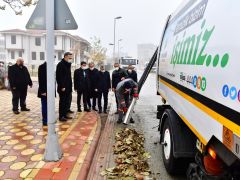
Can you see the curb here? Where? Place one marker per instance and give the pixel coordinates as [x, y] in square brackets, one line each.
[90, 154]
[101, 157]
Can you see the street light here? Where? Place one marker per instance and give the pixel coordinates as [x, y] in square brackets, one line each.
[119, 47]
[114, 38]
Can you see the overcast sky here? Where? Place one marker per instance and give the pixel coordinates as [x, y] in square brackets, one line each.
[142, 20]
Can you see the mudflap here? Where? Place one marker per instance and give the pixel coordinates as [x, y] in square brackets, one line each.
[196, 171]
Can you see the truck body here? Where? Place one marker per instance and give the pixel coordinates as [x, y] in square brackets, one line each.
[198, 78]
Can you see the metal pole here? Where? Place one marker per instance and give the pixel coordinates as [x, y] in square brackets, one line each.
[114, 39]
[53, 151]
[118, 49]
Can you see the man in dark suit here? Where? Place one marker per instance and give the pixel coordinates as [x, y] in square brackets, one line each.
[81, 85]
[64, 82]
[19, 79]
[104, 85]
[132, 73]
[93, 91]
[42, 90]
[118, 75]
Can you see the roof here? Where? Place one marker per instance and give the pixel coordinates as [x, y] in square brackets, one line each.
[43, 32]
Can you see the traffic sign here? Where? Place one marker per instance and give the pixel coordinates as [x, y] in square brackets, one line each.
[63, 20]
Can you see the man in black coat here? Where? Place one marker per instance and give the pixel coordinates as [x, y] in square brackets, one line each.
[81, 85]
[93, 91]
[118, 75]
[104, 85]
[42, 90]
[132, 73]
[19, 79]
[64, 82]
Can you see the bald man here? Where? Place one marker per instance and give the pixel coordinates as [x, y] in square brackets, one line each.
[19, 79]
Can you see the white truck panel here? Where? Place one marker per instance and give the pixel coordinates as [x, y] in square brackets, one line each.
[200, 58]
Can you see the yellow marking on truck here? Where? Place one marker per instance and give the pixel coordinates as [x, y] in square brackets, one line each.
[221, 119]
[204, 141]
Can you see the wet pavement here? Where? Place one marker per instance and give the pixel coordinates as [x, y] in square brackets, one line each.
[23, 138]
[146, 123]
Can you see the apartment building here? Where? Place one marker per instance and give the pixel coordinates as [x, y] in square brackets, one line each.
[31, 45]
[2, 49]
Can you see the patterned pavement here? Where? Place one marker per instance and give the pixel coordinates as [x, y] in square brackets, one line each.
[22, 143]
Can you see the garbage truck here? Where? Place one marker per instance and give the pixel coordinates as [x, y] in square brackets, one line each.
[198, 79]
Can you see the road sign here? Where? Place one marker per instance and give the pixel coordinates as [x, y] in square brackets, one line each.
[64, 19]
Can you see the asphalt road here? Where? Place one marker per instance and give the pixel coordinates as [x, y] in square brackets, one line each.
[146, 122]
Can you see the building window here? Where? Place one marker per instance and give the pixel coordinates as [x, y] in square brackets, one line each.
[20, 53]
[42, 56]
[12, 55]
[34, 56]
[59, 55]
[38, 41]
[13, 39]
[55, 40]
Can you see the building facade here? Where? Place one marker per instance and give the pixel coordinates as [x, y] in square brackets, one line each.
[2, 50]
[31, 46]
[145, 52]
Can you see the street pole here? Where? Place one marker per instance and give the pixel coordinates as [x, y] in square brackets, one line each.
[119, 47]
[114, 36]
[53, 151]
[114, 39]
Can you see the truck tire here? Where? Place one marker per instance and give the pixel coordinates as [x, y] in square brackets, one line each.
[169, 161]
[172, 164]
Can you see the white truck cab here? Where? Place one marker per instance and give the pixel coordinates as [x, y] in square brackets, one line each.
[126, 61]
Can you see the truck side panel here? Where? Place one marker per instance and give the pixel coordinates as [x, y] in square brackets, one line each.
[198, 71]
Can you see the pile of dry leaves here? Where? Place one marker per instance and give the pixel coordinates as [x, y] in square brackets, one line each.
[131, 159]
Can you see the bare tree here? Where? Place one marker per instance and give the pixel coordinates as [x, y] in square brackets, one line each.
[97, 53]
[16, 5]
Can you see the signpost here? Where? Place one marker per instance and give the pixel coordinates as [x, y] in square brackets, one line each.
[53, 15]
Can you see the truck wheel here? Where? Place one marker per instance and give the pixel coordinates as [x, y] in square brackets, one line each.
[169, 161]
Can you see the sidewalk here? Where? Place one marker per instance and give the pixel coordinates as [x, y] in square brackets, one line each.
[22, 143]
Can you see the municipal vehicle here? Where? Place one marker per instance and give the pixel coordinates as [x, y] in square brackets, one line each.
[198, 79]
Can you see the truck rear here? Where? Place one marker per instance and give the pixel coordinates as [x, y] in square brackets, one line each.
[198, 78]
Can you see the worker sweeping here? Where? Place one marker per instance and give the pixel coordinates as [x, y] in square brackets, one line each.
[126, 90]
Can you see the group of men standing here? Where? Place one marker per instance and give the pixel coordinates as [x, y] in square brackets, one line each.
[90, 83]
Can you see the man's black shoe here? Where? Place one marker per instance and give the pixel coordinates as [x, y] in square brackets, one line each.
[16, 112]
[70, 112]
[25, 109]
[68, 117]
[105, 111]
[63, 119]
[87, 110]
[100, 111]
[94, 109]
[132, 121]
[119, 121]
[44, 124]
[79, 110]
